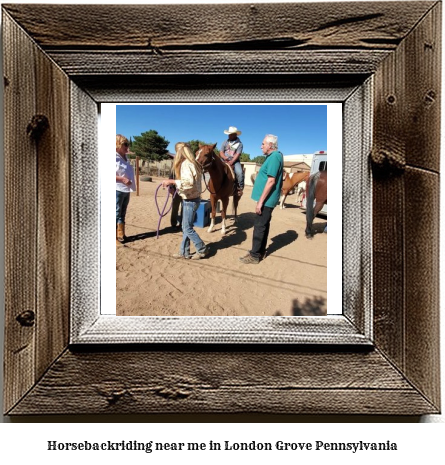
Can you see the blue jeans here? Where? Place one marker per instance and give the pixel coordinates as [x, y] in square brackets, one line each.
[189, 208]
[122, 199]
[238, 169]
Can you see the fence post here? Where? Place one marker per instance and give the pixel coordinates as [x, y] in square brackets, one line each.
[137, 176]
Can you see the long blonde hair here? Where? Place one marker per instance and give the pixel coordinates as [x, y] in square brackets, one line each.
[120, 141]
[184, 152]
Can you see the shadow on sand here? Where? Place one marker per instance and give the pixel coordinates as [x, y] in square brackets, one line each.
[282, 240]
[310, 307]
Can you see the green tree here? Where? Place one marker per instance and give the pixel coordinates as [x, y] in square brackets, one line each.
[244, 157]
[131, 155]
[194, 145]
[260, 159]
[150, 146]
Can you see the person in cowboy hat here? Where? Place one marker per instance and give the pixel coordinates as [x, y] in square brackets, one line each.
[230, 152]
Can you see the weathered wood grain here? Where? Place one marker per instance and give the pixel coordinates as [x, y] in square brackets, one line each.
[397, 42]
[372, 25]
[388, 268]
[37, 191]
[20, 214]
[423, 92]
[406, 235]
[221, 382]
[422, 324]
[243, 88]
[128, 62]
[357, 209]
[389, 141]
[85, 240]
[53, 220]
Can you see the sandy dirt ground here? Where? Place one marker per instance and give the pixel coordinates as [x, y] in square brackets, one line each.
[291, 280]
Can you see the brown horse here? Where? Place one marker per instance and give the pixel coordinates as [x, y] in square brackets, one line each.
[316, 192]
[290, 182]
[221, 185]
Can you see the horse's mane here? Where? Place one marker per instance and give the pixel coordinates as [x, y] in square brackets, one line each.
[225, 167]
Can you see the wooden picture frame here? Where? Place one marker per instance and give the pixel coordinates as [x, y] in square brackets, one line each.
[56, 72]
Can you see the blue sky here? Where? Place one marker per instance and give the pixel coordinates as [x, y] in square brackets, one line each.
[301, 129]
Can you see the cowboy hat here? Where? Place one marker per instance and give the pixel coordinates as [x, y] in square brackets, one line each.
[232, 130]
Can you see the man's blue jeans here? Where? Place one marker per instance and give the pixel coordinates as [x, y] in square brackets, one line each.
[238, 169]
[189, 208]
[122, 199]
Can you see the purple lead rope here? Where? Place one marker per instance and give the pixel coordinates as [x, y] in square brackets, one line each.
[161, 215]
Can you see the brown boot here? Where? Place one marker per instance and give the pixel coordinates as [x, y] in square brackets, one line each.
[117, 242]
[120, 232]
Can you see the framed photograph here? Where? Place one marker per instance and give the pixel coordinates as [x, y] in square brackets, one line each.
[376, 353]
[150, 282]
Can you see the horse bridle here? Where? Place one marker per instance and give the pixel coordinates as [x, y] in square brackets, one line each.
[205, 169]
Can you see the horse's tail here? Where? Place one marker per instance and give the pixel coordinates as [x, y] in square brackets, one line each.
[310, 197]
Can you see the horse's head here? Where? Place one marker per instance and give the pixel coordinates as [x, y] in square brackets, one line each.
[205, 155]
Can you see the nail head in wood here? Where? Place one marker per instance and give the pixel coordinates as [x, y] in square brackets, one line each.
[26, 318]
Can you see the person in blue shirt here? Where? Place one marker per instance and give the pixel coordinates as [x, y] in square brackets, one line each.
[266, 192]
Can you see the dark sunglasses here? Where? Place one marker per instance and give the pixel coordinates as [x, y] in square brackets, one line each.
[126, 144]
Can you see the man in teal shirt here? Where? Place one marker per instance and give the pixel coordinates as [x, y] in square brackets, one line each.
[266, 192]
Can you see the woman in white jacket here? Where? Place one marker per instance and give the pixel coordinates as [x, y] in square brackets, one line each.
[125, 183]
[188, 173]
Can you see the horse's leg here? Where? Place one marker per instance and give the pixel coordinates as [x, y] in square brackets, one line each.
[308, 230]
[235, 207]
[225, 203]
[213, 204]
[318, 206]
[283, 198]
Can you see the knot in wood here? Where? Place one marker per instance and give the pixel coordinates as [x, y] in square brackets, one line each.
[37, 126]
[115, 396]
[26, 318]
[173, 393]
[388, 162]
[430, 97]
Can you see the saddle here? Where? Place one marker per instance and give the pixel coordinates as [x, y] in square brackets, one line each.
[231, 175]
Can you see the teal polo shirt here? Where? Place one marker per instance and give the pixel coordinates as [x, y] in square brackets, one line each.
[272, 166]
